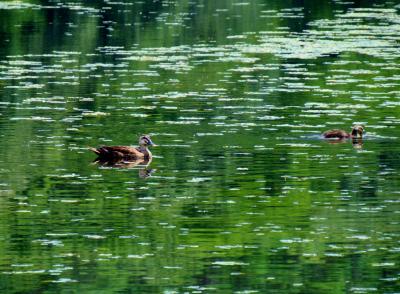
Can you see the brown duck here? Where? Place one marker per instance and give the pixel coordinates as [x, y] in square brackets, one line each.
[356, 133]
[126, 152]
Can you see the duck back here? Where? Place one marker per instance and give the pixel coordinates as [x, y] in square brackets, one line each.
[118, 152]
[336, 134]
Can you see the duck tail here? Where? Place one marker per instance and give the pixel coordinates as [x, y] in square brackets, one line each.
[95, 150]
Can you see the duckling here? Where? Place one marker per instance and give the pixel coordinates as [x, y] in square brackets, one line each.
[126, 152]
[356, 133]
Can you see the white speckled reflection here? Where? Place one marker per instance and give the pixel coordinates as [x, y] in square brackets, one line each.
[242, 195]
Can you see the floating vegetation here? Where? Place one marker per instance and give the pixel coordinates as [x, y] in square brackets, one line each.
[95, 113]
[17, 5]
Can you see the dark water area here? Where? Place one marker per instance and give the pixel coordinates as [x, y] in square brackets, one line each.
[242, 195]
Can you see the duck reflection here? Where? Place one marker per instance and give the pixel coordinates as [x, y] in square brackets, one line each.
[357, 143]
[143, 164]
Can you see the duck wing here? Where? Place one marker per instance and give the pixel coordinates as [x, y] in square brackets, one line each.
[117, 151]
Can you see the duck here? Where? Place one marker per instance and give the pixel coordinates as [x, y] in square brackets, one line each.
[117, 153]
[356, 133]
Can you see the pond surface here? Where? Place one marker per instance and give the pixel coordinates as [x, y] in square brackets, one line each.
[242, 195]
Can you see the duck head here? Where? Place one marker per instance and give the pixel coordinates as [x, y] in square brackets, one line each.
[145, 141]
[357, 131]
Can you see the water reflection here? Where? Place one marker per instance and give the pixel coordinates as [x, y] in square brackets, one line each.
[356, 142]
[247, 196]
[144, 170]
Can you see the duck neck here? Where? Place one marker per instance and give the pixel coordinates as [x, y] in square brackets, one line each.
[146, 152]
[356, 134]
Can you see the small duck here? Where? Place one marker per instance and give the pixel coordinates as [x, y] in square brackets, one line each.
[106, 153]
[356, 133]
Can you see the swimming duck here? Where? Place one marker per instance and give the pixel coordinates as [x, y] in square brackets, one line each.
[356, 133]
[126, 152]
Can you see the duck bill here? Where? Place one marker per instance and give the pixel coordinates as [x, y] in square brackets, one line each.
[151, 143]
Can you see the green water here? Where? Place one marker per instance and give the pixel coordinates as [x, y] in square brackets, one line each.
[242, 195]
